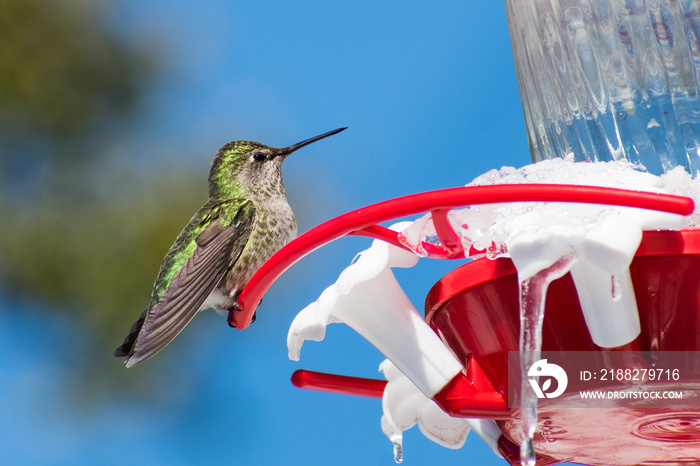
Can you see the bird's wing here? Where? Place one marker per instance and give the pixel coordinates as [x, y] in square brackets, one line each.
[217, 247]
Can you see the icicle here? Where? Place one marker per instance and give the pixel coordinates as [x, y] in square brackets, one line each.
[397, 441]
[533, 292]
[527, 453]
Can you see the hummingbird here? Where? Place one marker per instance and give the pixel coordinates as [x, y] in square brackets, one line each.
[243, 223]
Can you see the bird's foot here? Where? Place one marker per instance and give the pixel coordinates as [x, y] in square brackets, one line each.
[231, 314]
[255, 314]
[237, 308]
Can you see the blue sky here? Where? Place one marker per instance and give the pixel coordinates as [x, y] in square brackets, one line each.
[431, 101]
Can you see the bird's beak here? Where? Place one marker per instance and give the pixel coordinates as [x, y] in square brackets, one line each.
[285, 151]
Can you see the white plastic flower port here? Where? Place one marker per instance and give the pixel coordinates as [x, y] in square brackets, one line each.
[566, 267]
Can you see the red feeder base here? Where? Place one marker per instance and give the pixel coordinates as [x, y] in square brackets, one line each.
[476, 309]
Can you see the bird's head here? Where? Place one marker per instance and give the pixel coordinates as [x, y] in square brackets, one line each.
[251, 167]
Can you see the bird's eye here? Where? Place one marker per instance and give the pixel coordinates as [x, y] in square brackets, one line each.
[258, 157]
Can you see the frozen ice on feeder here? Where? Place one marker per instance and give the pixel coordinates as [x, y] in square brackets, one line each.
[677, 181]
[405, 406]
[486, 227]
[603, 239]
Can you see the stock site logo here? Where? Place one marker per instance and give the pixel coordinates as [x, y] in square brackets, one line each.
[546, 373]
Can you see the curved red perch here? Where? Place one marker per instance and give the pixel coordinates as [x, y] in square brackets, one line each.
[364, 222]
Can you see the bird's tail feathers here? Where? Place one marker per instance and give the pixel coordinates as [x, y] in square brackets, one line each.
[127, 348]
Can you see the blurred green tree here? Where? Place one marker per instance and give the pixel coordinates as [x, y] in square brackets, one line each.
[60, 67]
[64, 76]
[66, 82]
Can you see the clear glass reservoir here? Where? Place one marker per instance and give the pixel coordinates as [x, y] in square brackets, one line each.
[610, 79]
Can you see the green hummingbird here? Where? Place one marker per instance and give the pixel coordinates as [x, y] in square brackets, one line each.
[245, 221]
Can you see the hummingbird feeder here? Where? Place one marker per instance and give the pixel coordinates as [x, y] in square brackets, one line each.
[458, 354]
[577, 254]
